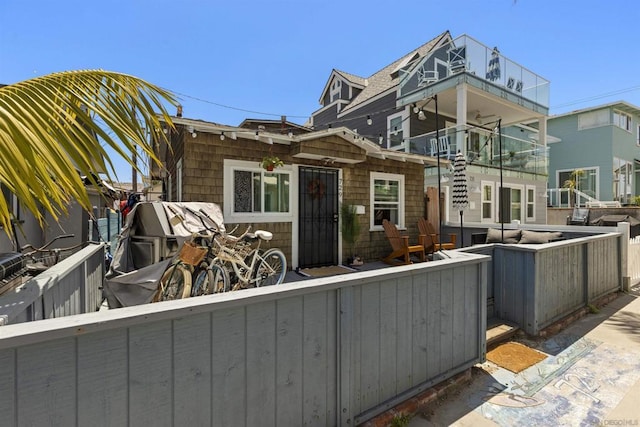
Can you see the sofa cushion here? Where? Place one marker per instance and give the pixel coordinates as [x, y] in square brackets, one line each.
[495, 236]
[539, 236]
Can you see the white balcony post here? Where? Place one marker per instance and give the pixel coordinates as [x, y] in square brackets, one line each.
[461, 117]
[542, 129]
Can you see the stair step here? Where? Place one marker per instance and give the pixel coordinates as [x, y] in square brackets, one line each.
[500, 332]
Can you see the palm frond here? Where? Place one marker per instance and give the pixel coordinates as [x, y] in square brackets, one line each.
[49, 135]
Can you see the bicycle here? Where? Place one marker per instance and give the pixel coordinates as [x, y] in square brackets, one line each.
[241, 258]
[191, 275]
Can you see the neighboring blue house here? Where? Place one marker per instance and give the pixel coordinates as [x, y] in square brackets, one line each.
[478, 94]
[604, 143]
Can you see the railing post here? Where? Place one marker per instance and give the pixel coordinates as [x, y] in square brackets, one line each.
[624, 228]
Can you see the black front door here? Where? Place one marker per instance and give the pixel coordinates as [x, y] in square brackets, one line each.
[318, 244]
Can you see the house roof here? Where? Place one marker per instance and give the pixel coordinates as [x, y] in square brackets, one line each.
[352, 78]
[620, 105]
[283, 125]
[371, 148]
[388, 77]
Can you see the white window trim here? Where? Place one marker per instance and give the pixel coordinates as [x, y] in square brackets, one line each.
[584, 168]
[179, 170]
[404, 115]
[336, 89]
[242, 218]
[527, 201]
[389, 177]
[617, 122]
[491, 184]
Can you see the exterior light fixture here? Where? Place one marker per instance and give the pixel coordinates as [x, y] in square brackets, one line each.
[257, 135]
[415, 108]
[421, 115]
[380, 139]
[369, 121]
[222, 136]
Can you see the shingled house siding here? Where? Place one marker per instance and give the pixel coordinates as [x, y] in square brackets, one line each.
[203, 173]
[373, 245]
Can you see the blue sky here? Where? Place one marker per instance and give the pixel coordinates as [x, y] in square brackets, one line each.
[274, 57]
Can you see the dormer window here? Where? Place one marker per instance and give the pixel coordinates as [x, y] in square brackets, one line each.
[336, 88]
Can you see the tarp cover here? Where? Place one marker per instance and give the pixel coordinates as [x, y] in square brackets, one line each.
[129, 283]
[613, 220]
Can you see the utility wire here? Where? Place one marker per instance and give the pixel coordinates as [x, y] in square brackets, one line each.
[237, 108]
[592, 98]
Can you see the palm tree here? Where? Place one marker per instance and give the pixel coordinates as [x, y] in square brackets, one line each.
[50, 136]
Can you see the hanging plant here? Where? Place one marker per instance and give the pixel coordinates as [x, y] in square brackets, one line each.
[270, 163]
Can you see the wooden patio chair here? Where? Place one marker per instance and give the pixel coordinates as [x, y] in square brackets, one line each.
[432, 239]
[400, 245]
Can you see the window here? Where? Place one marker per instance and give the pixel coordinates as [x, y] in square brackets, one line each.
[531, 203]
[511, 201]
[585, 182]
[253, 194]
[387, 199]
[487, 200]
[336, 87]
[622, 120]
[593, 119]
[397, 127]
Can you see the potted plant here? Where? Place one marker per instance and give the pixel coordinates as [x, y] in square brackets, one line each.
[350, 232]
[270, 162]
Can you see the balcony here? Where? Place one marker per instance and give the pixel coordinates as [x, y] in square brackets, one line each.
[483, 149]
[492, 79]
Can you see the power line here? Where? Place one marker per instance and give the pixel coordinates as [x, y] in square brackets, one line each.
[237, 108]
[592, 98]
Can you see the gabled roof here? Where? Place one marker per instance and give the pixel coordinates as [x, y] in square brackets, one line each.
[354, 80]
[388, 77]
[283, 126]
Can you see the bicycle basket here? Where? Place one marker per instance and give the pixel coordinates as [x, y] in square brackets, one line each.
[192, 254]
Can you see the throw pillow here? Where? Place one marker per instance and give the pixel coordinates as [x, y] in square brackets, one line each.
[495, 236]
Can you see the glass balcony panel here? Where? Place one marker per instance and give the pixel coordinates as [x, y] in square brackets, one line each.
[482, 148]
[479, 60]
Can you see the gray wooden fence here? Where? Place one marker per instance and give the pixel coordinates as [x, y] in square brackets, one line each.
[72, 286]
[536, 285]
[323, 352]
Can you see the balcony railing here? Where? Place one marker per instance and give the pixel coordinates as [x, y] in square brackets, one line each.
[464, 54]
[482, 148]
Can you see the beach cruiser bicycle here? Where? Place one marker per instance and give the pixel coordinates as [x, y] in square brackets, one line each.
[215, 261]
[243, 260]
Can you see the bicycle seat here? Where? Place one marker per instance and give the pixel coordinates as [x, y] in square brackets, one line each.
[264, 235]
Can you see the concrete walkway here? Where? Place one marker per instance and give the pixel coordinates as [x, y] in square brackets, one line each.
[591, 377]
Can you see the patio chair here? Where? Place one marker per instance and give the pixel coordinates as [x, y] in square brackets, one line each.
[432, 239]
[580, 216]
[402, 250]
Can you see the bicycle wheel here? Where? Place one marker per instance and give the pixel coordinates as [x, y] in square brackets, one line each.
[212, 279]
[200, 280]
[219, 279]
[271, 268]
[175, 283]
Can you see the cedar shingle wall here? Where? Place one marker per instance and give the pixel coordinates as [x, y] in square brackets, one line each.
[373, 245]
[203, 181]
